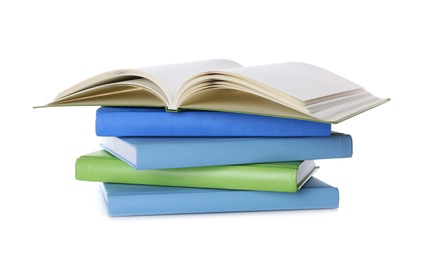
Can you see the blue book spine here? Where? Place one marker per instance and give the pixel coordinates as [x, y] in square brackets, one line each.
[129, 121]
[161, 153]
[132, 200]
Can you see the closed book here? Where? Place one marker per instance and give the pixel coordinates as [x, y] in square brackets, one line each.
[132, 200]
[139, 121]
[101, 166]
[184, 152]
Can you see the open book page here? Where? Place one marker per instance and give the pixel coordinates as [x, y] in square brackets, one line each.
[299, 80]
[223, 99]
[164, 80]
[173, 76]
[97, 80]
[135, 92]
[292, 89]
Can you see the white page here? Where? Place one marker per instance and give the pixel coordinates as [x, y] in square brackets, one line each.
[300, 80]
[173, 76]
[170, 77]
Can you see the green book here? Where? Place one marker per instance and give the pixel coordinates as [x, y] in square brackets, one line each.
[101, 166]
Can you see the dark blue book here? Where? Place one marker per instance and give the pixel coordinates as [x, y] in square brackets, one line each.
[129, 121]
[183, 152]
[133, 200]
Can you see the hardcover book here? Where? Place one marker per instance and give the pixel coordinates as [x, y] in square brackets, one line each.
[100, 166]
[137, 200]
[184, 152]
[139, 121]
[292, 89]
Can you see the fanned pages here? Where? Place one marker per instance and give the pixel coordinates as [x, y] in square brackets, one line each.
[292, 89]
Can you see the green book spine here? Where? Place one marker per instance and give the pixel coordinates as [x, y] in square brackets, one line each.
[101, 166]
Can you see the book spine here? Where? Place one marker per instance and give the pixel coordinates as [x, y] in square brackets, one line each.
[231, 151]
[267, 177]
[112, 121]
[224, 201]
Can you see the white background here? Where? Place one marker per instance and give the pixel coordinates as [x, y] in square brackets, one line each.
[48, 46]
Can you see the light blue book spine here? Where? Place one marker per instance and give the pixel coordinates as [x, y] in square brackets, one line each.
[137, 200]
[160, 153]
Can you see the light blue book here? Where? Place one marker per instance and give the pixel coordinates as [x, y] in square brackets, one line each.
[183, 152]
[137, 200]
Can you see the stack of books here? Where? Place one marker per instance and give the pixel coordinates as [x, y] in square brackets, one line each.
[230, 138]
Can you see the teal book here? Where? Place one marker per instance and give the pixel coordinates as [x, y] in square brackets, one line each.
[183, 152]
[140, 200]
[101, 166]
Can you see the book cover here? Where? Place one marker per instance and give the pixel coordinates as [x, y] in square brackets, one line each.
[101, 166]
[184, 152]
[137, 200]
[132, 121]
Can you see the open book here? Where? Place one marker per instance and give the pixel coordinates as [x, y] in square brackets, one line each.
[292, 89]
